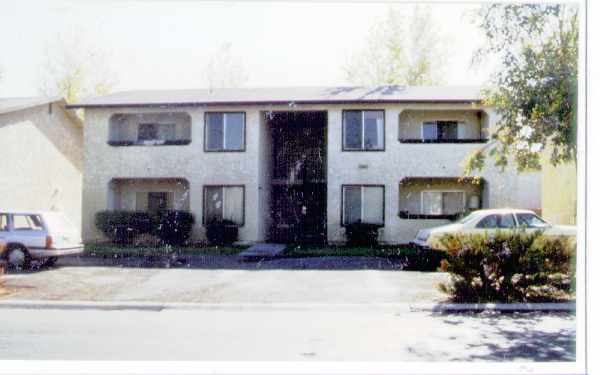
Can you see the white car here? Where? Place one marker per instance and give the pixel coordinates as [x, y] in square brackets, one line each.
[491, 220]
[38, 235]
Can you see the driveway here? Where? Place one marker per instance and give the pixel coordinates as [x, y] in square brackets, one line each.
[225, 279]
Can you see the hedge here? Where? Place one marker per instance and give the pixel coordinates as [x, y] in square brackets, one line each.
[509, 267]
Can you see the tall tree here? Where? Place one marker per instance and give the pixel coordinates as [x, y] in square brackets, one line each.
[224, 69]
[403, 48]
[535, 88]
[74, 70]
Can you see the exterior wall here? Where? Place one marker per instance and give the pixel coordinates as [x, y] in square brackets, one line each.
[41, 161]
[411, 121]
[559, 193]
[252, 167]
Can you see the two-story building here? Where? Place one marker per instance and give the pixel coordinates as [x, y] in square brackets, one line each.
[285, 163]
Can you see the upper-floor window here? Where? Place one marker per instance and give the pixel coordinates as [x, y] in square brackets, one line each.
[362, 204]
[150, 132]
[363, 130]
[225, 131]
[442, 130]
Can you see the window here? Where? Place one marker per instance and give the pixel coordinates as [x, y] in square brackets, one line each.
[442, 202]
[3, 222]
[224, 203]
[531, 221]
[362, 204]
[27, 222]
[442, 130]
[154, 201]
[363, 130]
[224, 131]
[156, 132]
[497, 221]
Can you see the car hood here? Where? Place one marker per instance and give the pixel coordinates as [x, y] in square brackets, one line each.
[448, 228]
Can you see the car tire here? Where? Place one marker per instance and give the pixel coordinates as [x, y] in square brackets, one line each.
[50, 262]
[18, 258]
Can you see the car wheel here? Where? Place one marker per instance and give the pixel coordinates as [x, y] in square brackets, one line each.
[18, 258]
[50, 262]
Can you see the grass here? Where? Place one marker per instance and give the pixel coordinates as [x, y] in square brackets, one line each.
[113, 250]
[342, 250]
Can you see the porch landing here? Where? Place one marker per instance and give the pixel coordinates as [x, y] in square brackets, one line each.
[262, 250]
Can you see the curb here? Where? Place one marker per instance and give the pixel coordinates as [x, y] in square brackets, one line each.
[383, 307]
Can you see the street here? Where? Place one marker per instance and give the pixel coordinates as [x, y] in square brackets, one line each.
[314, 334]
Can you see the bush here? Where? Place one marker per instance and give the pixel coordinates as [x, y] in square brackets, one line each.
[174, 227]
[123, 227]
[509, 267]
[418, 259]
[362, 234]
[221, 232]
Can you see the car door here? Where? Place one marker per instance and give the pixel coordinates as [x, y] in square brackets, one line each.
[531, 223]
[4, 227]
[28, 230]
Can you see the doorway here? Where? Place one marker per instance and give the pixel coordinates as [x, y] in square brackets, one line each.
[299, 177]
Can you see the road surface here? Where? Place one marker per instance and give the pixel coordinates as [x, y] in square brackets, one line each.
[285, 335]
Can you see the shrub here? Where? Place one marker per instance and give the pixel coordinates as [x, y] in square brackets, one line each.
[509, 267]
[418, 259]
[362, 234]
[123, 226]
[221, 232]
[174, 227]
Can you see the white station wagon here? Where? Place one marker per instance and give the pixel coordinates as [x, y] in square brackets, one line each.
[491, 220]
[36, 235]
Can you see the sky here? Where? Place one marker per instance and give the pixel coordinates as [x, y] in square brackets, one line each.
[166, 45]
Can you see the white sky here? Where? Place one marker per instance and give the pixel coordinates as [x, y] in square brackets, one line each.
[158, 45]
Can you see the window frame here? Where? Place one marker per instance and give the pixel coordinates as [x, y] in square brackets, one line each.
[224, 113]
[464, 199]
[437, 124]
[204, 205]
[362, 149]
[343, 201]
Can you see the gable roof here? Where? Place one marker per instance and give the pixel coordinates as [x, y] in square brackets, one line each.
[8, 105]
[286, 96]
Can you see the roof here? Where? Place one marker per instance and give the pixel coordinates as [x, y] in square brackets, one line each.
[8, 105]
[285, 96]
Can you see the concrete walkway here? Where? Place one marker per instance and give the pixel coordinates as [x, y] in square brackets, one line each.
[262, 250]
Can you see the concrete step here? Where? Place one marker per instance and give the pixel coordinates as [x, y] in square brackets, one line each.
[262, 250]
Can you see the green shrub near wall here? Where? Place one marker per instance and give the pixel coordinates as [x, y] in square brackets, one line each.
[122, 227]
[509, 267]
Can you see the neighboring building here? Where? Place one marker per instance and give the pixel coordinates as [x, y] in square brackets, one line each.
[285, 163]
[41, 162]
[559, 192]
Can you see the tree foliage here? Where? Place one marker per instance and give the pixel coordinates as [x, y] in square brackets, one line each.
[224, 69]
[404, 48]
[535, 89]
[74, 70]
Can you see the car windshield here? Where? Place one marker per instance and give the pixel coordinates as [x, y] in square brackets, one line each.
[467, 218]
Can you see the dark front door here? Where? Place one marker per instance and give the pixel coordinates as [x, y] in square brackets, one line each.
[299, 189]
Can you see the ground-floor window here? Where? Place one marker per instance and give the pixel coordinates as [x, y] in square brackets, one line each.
[442, 202]
[362, 204]
[224, 203]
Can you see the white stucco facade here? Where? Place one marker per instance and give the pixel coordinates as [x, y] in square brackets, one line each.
[41, 157]
[103, 163]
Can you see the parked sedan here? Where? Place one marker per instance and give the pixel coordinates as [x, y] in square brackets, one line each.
[36, 235]
[490, 221]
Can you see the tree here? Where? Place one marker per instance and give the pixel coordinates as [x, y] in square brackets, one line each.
[73, 70]
[224, 69]
[535, 89]
[401, 49]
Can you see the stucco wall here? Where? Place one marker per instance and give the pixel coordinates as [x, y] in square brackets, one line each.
[559, 192]
[389, 167]
[41, 161]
